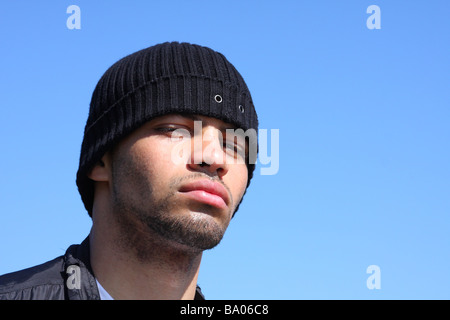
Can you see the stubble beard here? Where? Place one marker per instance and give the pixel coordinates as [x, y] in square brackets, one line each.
[148, 225]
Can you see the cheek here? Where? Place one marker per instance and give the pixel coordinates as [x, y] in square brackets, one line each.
[237, 181]
[152, 159]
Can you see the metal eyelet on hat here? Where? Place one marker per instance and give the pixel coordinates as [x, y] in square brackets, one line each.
[218, 98]
[241, 108]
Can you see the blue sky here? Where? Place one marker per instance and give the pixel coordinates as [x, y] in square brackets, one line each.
[363, 118]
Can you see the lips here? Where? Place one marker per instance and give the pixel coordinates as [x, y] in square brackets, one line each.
[208, 192]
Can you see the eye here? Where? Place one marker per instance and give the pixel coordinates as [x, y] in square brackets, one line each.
[230, 146]
[175, 132]
[166, 129]
[234, 149]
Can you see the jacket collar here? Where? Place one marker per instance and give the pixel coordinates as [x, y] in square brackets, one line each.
[80, 283]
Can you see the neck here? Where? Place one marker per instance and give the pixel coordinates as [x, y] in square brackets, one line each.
[141, 266]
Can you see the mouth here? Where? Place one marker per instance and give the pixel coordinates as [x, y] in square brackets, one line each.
[207, 192]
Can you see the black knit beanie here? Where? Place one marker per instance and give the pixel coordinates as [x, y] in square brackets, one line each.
[165, 78]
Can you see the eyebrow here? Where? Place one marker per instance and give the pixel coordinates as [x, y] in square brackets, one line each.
[191, 116]
[194, 117]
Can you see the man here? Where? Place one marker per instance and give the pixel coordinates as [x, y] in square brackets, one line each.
[162, 171]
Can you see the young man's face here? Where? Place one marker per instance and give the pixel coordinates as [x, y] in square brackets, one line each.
[180, 183]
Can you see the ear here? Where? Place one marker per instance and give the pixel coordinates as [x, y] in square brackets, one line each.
[100, 172]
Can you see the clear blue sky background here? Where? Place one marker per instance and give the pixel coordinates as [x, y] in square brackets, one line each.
[363, 116]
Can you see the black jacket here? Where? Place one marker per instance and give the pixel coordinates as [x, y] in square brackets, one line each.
[68, 277]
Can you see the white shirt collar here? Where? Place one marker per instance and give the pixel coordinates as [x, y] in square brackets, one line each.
[104, 295]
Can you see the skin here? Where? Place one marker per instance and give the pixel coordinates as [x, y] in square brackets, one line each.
[148, 237]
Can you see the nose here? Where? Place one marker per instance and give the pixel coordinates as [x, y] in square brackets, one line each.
[207, 154]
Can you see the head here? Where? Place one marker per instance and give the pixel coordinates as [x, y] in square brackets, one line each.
[141, 140]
